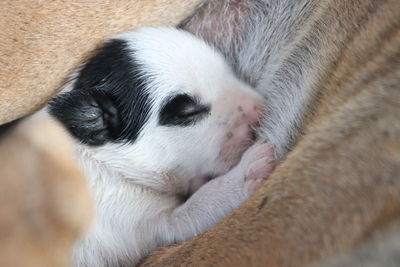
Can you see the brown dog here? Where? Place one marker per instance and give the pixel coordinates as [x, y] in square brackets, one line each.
[42, 41]
[336, 64]
[45, 204]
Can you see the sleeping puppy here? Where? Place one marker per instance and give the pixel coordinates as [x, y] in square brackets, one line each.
[164, 133]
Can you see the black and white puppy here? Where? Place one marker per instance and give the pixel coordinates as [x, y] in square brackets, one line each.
[157, 113]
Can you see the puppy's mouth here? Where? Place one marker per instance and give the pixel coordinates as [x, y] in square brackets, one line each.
[235, 144]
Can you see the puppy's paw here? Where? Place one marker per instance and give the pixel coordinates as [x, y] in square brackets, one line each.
[258, 172]
[246, 177]
[257, 162]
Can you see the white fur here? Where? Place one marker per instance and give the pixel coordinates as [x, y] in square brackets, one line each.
[137, 186]
[268, 43]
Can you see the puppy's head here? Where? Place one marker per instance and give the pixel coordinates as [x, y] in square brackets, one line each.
[159, 99]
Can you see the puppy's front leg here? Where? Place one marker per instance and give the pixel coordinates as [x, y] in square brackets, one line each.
[216, 199]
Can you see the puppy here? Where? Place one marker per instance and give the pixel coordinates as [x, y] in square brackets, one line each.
[164, 131]
[330, 71]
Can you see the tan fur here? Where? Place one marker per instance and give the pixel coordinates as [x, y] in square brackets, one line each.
[341, 182]
[41, 41]
[45, 204]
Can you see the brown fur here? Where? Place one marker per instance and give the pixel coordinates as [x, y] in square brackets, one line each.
[41, 41]
[44, 201]
[341, 182]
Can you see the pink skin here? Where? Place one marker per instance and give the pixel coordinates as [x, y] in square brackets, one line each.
[254, 168]
[240, 132]
[243, 180]
[258, 161]
[239, 112]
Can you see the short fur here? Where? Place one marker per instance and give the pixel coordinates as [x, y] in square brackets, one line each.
[42, 41]
[330, 71]
[45, 203]
[157, 113]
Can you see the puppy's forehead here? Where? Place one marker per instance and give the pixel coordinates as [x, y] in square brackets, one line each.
[175, 60]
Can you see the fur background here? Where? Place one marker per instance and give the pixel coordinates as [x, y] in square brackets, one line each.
[41, 41]
[355, 117]
[44, 204]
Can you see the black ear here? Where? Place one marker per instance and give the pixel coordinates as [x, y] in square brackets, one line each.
[91, 118]
[108, 101]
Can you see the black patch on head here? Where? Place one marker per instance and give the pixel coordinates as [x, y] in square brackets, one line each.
[182, 110]
[108, 101]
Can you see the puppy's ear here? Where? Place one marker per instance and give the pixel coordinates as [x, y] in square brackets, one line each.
[91, 118]
[89, 110]
[108, 100]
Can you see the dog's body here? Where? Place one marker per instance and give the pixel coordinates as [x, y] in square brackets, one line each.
[330, 71]
[157, 113]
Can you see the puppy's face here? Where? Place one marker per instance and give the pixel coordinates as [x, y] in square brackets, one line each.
[160, 101]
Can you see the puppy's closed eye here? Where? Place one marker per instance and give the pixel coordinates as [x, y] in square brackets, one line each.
[182, 110]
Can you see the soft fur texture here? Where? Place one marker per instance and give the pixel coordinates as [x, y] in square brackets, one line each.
[330, 71]
[41, 41]
[45, 204]
[345, 163]
[157, 113]
[382, 249]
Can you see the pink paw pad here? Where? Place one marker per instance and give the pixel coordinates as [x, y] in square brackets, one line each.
[261, 157]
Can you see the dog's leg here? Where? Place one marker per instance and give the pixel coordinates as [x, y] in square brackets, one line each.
[220, 196]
